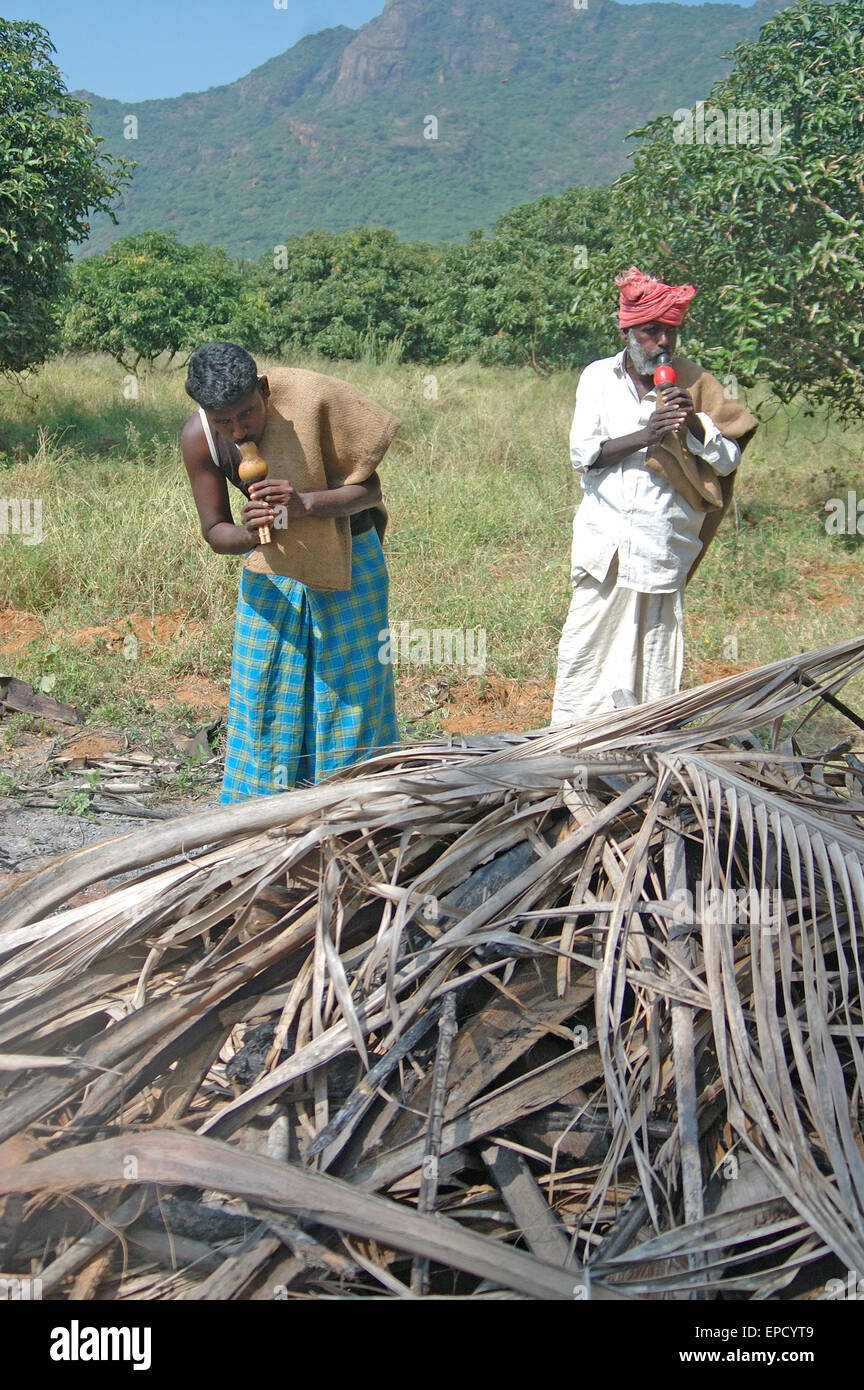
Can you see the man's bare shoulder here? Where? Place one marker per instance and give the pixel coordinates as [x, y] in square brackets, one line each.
[193, 441]
[193, 431]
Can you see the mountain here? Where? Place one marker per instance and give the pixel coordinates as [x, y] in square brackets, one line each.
[528, 99]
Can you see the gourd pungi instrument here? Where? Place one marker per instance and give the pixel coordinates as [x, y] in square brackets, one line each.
[253, 469]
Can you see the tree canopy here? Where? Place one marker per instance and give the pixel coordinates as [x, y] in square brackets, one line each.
[768, 225]
[344, 294]
[509, 298]
[52, 175]
[147, 295]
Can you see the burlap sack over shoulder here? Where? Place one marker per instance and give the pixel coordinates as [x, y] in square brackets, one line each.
[687, 473]
[320, 433]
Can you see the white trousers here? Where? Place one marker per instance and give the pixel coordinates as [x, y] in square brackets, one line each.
[616, 639]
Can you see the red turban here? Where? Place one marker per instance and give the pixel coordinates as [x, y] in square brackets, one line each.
[644, 299]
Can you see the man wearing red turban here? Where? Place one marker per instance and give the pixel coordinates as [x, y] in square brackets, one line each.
[657, 475]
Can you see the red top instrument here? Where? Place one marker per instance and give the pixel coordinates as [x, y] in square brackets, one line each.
[664, 375]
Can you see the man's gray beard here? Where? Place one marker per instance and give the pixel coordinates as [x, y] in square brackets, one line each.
[641, 361]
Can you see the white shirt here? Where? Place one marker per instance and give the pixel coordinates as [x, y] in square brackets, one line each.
[628, 507]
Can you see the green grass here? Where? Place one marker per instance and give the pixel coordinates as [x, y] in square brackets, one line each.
[481, 497]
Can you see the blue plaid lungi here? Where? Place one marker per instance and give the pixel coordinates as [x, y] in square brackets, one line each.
[308, 692]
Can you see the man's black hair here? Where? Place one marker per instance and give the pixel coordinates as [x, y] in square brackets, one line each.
[219, 374]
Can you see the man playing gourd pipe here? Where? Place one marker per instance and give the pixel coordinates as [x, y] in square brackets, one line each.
[308, 691]
[657, 476]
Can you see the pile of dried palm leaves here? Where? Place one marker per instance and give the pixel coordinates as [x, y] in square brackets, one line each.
[575, 1013]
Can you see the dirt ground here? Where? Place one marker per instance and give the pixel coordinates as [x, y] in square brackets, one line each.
[18, 628]
[491, 705]
[33, 834]
[428, 702]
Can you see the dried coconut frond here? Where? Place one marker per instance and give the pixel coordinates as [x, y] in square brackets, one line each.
[650, 925]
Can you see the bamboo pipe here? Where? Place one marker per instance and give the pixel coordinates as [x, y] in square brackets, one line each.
[253, 469]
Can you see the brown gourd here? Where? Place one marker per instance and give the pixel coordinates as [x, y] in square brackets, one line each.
[253, 469]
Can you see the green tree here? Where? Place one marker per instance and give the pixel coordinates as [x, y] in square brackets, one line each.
[51, 176]
[770, 231]
[507, 299]
[344, 295]
[510, 298]
[148, 294]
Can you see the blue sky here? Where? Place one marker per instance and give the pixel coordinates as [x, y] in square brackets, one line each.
[160, 48]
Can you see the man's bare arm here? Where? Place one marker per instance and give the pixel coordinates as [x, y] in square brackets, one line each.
[210, 491]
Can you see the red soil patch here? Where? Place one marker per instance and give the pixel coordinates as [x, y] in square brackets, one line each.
[835, 584]
[92, 745]
[151, 629]
[17, 629]
[196, 691]
[86, 636]
[163, 627]
[497, 705]
[701, 672]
